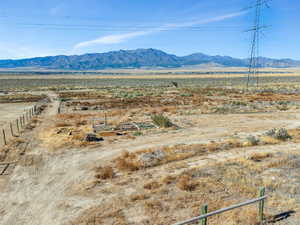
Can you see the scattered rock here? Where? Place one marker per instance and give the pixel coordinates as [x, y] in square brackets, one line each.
[151, 158]
[93, 138]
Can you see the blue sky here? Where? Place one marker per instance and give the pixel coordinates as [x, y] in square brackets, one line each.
[52, 27]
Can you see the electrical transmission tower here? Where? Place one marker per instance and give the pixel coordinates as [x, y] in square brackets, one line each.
[254, 63]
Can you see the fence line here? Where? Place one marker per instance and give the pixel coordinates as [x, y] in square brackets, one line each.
[21, 121]
[203, 218]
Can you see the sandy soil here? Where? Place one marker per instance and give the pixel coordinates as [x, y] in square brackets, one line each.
[11, 111]
[37, 193]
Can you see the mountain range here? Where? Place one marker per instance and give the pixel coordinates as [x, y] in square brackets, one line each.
[140, 58]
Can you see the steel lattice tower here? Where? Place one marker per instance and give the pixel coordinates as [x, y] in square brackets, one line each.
[254, 63]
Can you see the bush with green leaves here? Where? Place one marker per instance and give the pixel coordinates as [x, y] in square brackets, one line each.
[252, 140]
[137, 133]
[161, 120]
[280, 134]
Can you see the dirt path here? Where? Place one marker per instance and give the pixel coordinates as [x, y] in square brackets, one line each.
[36, 193]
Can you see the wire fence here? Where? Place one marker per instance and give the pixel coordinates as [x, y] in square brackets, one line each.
[15, 127]
[203, 219]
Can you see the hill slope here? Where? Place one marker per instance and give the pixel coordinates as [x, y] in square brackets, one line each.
[136, 59]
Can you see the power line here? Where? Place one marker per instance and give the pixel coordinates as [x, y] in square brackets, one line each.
[121, 28]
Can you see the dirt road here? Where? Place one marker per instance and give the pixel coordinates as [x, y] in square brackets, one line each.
[36, 193]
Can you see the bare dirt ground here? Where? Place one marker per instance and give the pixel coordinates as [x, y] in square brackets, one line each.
[11, 111]
[56, 186]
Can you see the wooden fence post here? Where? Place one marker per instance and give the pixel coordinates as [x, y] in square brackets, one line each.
[261, 204]
[4, 137]
[18, 127]
[11, 130]
[204, 211]
[24, 122]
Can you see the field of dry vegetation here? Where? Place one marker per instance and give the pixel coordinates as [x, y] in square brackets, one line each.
[154, 155]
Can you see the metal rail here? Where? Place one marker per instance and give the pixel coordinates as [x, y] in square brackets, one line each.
[196, 219]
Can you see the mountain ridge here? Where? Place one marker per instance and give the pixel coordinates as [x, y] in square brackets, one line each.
[139, 58]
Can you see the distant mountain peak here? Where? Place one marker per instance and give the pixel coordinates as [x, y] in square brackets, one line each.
[138, 58]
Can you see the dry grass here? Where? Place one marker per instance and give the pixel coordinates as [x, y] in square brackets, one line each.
[12, 98]
[63, 124]
[152, 185]
[104, 173]
[270, 140]
[139, 197]
[186, 183]
[168, 180]
[131, 161]
[127, 162]
[153, 205]
[161, 121]
[219, 185]
[259, 156]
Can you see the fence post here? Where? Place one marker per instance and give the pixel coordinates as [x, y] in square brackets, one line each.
[261, 204]
[18, 127]
[4, 137]
[204, 211]
[24, 121]
[11, 130]
[21, 121]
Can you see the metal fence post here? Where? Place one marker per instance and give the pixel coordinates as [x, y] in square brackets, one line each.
[261, 204]
[204, 211]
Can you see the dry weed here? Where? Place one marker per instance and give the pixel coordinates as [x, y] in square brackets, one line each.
[127, 162]
[259, 156]
[139, 197]
[186, 183]
[104, 173]
[152, 185]
[63, 124]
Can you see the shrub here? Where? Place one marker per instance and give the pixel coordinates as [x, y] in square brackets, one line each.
[168, 179]
[137, 133]
[257, 157]
[280, 134]
[104, 173]
[152, 185]
[186, 183]
[138, 197]
[63, 124]
[127, 162]
[161, 121]
[252, 140]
